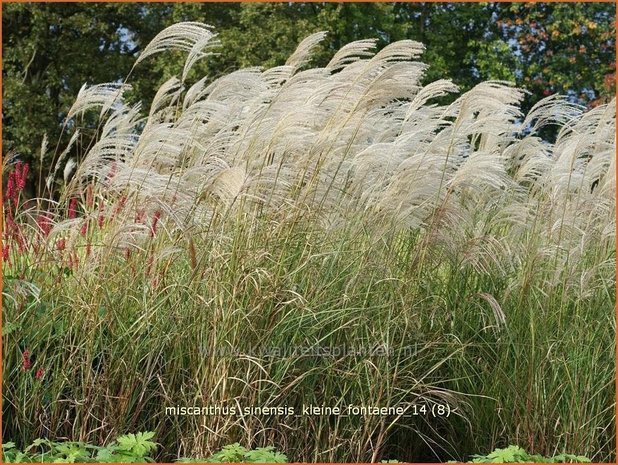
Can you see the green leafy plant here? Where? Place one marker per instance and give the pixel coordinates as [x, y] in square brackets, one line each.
[235, 453]
[516, 454]
[130, 448]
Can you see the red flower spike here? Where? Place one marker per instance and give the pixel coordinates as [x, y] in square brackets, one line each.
[119, 206]
[155, 221]
[21, 242]
[21, 184]
[73, 208]
[89, 196]
[112, 171]
[17, 174]
[11, 229]
[101, 218]
[10, 187]
[60, 244]
[25, 360]
[44, 223]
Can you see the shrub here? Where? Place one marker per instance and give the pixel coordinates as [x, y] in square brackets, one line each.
[515, 454]
[235, 453]
[130, 448]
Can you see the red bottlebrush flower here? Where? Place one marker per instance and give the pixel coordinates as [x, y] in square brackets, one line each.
[101, 218]
[89, 196]
[112, 171]
[84, 229]
[44, 223]
[73, 208]
[119, 206]
[25, 360]
[17, 174]
[88, 248]
[5, 253]
[60, 244]
[39, 373]
[21, 242]
[155, 221]
[21, 182]
[11, 228]
[10, 187]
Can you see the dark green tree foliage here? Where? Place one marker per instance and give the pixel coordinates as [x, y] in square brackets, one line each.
[50, 50]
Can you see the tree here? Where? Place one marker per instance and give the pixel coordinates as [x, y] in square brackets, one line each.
[50, 50]
[557, 48]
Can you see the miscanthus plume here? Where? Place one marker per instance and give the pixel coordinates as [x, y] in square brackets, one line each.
[357, 143]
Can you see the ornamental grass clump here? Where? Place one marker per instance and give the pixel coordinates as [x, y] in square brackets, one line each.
[331, 207]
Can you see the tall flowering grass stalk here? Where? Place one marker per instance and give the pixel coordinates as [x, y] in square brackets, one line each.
[330, 207]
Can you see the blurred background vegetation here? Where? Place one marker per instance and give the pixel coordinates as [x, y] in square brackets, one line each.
[50, 50]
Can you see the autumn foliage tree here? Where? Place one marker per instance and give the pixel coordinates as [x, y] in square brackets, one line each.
[565, 48]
